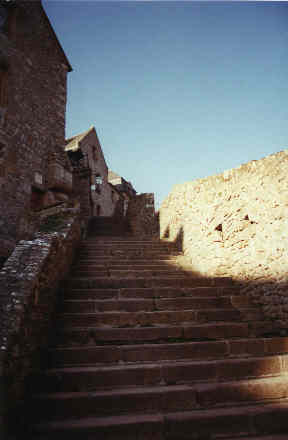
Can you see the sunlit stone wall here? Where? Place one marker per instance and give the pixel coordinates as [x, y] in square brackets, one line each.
[236, 224]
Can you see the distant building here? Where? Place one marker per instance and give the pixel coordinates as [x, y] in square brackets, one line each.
[34, 170]
[96, 195]
[123, 187]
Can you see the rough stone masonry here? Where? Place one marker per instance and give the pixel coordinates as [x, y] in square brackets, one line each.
[236, 224]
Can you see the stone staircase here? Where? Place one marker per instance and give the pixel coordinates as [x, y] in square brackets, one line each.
[107, 226]
[146, 351]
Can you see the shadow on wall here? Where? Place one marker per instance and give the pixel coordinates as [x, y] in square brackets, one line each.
[264, 302]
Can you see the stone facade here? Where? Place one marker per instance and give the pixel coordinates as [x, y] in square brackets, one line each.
[141, 218]
[235, 224]
[34, 171]
[125, 190]
[96, 195]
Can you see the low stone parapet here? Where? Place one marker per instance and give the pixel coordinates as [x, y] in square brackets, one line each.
[28, 298]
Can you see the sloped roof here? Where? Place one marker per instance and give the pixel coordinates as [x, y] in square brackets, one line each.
[72, 144]
[56, 39]
[112, 175]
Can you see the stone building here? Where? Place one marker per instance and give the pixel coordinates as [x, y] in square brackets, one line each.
[124, 188]
[96, 195]
[34, 170]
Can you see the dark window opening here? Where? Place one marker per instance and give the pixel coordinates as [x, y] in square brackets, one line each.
[98, 179]
[36, 201]
[3, 88]
[98, 183]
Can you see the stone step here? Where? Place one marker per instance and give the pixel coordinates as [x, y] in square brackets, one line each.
[128, 244]
[92, 378]
[126, 259]
[142, 273]
[159, 399]
[154, 293]
[166, 317]
[120, 244]
[112, 283]
[81, 336]
[136, 305]
[173, 350]
[144, 318]
[82, 268]
[122, 256]
[235, 422]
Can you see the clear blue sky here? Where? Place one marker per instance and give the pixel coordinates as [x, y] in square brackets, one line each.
[176, 90]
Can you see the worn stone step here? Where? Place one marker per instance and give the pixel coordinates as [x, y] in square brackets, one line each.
[129, 253]
[236, 422]
[159, 399]
[153, 292]
[86, 270]
[140, 427]
[231, 393]
[98, 404]
[144, 318]
[117, 283]
[139, 353]
[80, 336]
[126, 259]
[111, 272]
[135, 305]
[130, 244]
[92, 378]
[175, 350]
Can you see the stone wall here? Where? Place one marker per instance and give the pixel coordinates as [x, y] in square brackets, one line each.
[28, 297]
[32, 118]
[101, 199]
[96, 195]
[141, 218]
[236, 224]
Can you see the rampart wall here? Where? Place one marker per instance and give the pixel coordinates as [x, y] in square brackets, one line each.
[28, 297]
[236, 224]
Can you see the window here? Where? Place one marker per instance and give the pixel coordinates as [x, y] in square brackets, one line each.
[3, 89]
[98, 179]
[38, 178]
[94, 153]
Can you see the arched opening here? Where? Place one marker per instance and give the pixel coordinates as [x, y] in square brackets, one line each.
[98, 210]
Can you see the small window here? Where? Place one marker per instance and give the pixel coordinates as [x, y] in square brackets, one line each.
[3, 89]
[2, 151]
[94, 153]
[98, 179]
[38, 178]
